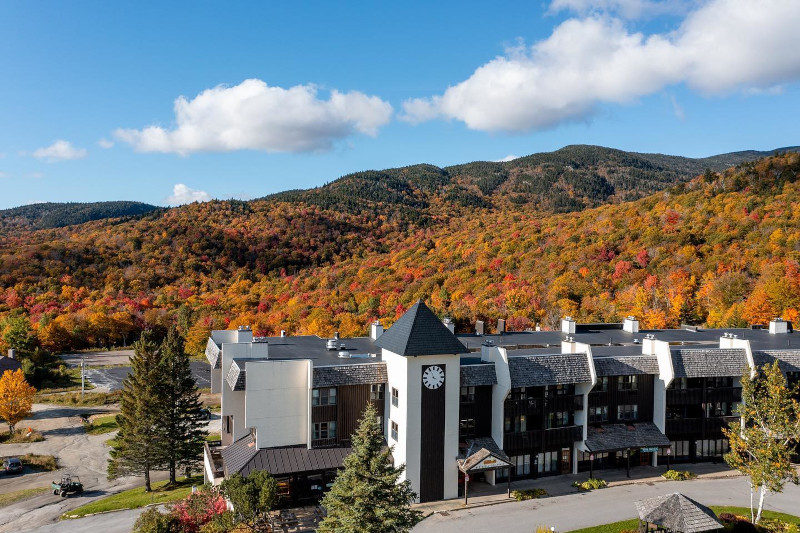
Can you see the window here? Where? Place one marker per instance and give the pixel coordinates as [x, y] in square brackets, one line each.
[598, 414]
[466, 427]
[379, 419]
[719, 382]
[548, 462]
[467, 394]
[557, 419]
[627, 383]
[376, 391]
[519, 393]
[395, 397]
[602, 384]
[324, 430]
[717, 409]
[559, 390]
[227, 424]
[516, 424]
[522, 464]
[627, 412]
[395, 430]
[325, 396]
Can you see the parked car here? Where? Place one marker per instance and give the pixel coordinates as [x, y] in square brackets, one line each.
[12, 465]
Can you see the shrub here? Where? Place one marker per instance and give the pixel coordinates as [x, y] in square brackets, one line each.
[678, 475]
[590, 484]
[529, 494]
[154, 521]
[43, 463]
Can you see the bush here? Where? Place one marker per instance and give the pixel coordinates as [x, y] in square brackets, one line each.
[529, 494]
[42, 463]
[678, 475]
[590, 484]
[154, 521]
[20, 436]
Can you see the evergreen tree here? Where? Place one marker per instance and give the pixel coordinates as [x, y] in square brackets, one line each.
[140, 446]
[181, 423]
[366, 497]
[762, 442]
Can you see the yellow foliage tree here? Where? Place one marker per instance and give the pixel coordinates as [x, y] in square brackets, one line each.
[16, 398]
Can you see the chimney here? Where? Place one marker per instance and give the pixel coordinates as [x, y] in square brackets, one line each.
[375, 330]
[778, 326]
[283, 333]
[649, 344]
[479, 327]
[449, 325]
[12, 353]
[630, 324]
[336, 335]
[568, 325]
[569, 345]
[501, 326]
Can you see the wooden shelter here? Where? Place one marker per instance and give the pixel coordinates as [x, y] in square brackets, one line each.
[675, 512]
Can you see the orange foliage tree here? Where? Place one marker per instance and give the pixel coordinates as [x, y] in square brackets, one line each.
[16, 398]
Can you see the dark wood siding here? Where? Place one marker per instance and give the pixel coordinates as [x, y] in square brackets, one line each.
[480, 411]
[642, 397]
[324, 413]
[432, 420]
[352, 401]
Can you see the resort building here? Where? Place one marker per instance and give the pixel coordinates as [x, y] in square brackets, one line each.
[482, 408]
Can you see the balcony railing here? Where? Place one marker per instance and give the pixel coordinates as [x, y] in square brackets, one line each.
[542, 439]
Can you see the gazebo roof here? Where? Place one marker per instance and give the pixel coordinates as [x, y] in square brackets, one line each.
[677, 513]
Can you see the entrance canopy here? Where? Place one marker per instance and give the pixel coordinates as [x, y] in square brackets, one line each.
[676, 512]
[615, 437]
[483, 455]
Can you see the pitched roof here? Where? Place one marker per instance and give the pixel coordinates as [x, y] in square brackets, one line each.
[678, 513]
[611, 437]
[788, 360]
[295, 459]
[539, 370]
[238, 454]
[420, 332]
[476, 375]
[626, 366]
[358, 374]
[709, 362]
[480, 449]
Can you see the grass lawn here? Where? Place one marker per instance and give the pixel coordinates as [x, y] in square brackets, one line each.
[616, 527]
[102, 424]
[136, 498]
[74, 399]
[212, 436]
[19, 436]
[17, 496]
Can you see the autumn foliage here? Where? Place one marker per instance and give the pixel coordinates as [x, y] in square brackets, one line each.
[16, 398]
[721, 250]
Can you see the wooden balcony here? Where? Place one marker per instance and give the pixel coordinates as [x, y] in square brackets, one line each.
[543, 439]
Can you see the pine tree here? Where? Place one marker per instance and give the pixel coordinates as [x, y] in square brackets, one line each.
[181, 424]
[762, 443]
[366, 497]
[140, 446]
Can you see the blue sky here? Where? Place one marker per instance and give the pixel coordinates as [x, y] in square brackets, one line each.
[276, 96]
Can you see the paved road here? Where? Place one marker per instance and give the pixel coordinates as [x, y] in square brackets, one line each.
[111, 378]
[580, 510]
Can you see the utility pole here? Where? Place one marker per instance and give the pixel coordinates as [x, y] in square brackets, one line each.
[83, 375]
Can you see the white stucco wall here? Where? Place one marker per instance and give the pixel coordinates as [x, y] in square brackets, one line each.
[498, 356]
[277, 404]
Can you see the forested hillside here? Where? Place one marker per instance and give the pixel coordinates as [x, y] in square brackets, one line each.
[721, 249]
[52, 215]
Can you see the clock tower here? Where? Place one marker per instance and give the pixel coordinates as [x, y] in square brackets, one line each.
[423, 365]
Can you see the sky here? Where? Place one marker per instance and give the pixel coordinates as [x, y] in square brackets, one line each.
[174, 102]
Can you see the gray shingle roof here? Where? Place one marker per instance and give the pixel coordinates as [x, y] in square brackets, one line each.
[476, 375]
[676, 512]
[212, 353]
[610, 437]
[238, 454]
[295, 459]
[237, 376]
[360, 374]
[7, 363]
[788, 360]
[480, 449]
[539, 370]
[420, 332]
[626, 366]
[711, 362]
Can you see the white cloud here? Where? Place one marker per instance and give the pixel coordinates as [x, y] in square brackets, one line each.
[59, 151]
[255, 116]
[509, 157]
[181, 194]
[105, 143]
[723, 46]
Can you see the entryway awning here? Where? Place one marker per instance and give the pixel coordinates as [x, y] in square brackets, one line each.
[483, 455]
[615, 437]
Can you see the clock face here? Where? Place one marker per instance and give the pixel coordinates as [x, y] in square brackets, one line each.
[433, 377]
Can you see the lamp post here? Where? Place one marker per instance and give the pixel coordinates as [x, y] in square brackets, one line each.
[591, 466]
[669, 452]
[83, 375]
[628, 462]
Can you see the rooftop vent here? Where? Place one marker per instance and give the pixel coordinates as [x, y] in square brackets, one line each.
[568, 325]
[283, 333]
[332, 344]
[344, 354]
[778, 326]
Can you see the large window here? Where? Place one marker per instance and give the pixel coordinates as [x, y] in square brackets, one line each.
[522, 464]
[467, 394]
[627, 412]
[557, 419]
[516, 424]
[466, 427]
[395, 397]
[602, 384]
[719, 382]
[548, 462]
[325, 396]
[519, 393]
[324, 430]
[627, 383]
[717, 409]
[598, 414]
[395, 430]
[559, 390]
[376, 391]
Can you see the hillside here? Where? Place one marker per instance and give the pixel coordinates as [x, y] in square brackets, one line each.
[721, 249]
[56, 215]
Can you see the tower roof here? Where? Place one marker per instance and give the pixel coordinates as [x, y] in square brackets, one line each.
[420, 332]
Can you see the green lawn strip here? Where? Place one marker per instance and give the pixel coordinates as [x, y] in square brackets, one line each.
[74, 399]
[617, 527]
[102, 424]
[19, 495]
[213, 436]
[136, 498]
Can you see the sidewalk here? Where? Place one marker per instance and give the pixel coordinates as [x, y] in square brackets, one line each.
[483, 494]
